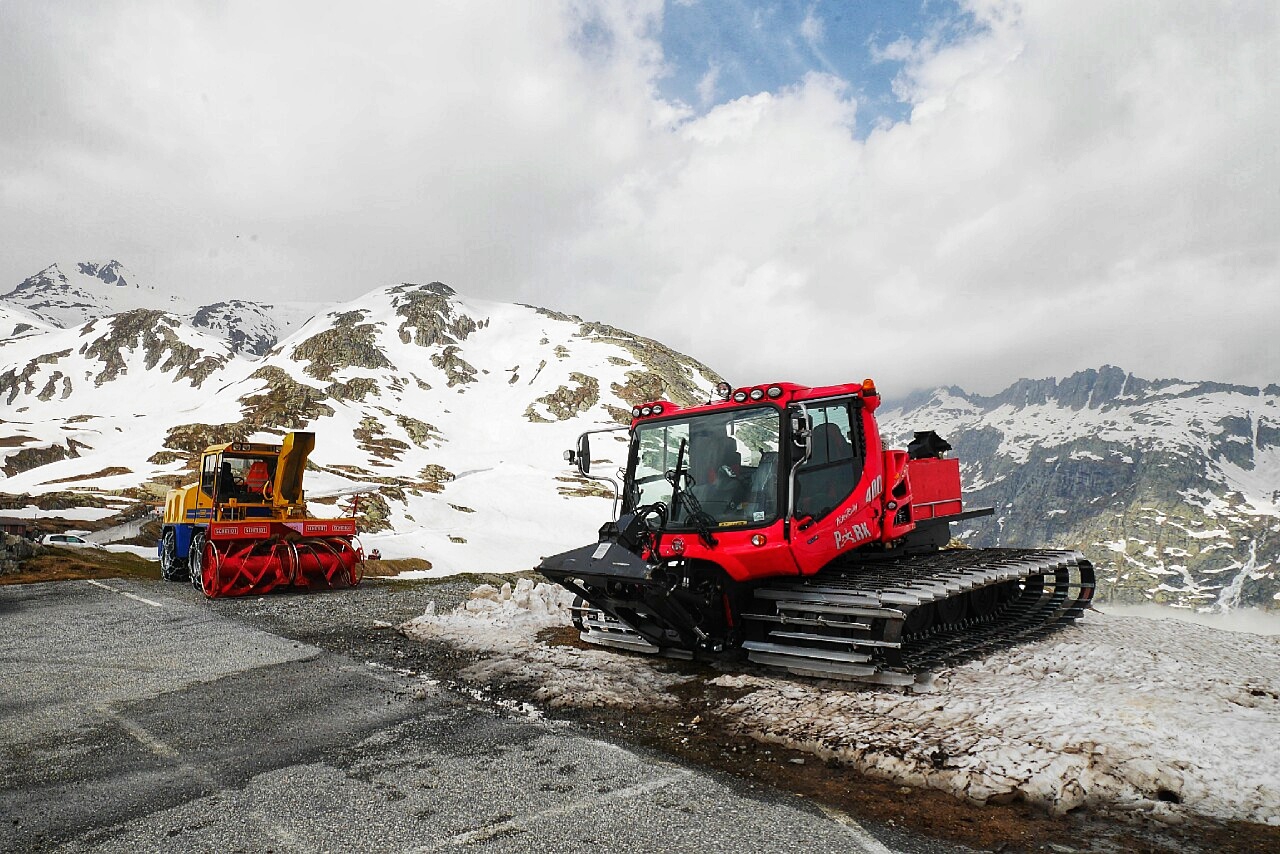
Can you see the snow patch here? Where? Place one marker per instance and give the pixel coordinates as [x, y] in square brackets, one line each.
[505, 623]
[1121, 714]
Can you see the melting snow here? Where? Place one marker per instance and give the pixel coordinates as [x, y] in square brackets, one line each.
[506, 622]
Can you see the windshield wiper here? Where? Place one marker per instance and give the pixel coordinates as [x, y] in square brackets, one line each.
[702, 521]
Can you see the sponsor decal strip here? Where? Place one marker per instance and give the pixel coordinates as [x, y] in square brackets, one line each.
[239, 530]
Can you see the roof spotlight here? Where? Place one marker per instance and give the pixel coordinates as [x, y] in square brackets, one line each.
[635, 412]
[657, 409]
[645, 410]
[739, 396]
[775, 391]
[757, 394]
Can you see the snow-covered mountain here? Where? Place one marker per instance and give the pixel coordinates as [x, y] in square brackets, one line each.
[70, 294]
[457, 410]
[16, 322]
[1172, 487]
[85, 291]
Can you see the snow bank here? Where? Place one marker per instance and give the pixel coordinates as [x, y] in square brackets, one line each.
[1252, 620]
[1122, 715]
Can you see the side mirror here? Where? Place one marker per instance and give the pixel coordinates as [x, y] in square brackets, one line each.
[584, 454]
[801, 427]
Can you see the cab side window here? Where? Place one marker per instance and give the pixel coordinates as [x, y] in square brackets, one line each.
[208, 472]
[835, 465]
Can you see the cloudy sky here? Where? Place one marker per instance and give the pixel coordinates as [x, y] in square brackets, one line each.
[924, 192]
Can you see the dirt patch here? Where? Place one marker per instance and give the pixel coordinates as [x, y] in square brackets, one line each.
[390, 568]
[75, 564]
[14, 441]
[107, 472]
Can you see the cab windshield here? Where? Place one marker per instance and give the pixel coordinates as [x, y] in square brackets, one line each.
[245, 478]
[731, 460]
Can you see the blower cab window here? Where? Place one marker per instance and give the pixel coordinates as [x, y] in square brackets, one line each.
[246, 479]
[835, 465]
[208, 474]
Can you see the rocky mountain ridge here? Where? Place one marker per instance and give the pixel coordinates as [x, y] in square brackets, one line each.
[1172, 487]
[67, 295]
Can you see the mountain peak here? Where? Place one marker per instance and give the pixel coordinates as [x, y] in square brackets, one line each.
[112, 272]
[47, 276]
[70, 294]
[437, 288]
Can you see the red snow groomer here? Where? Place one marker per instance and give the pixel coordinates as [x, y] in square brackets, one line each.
[774, 521]
[243, 529]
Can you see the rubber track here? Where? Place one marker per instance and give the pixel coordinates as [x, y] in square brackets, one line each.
[851, 621]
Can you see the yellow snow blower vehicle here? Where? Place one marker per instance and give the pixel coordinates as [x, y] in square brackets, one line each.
[243, 529]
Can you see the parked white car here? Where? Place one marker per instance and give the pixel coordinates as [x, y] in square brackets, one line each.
[71, 540]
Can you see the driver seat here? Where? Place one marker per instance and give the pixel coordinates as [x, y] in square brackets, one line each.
[255, 480]
[715, 469]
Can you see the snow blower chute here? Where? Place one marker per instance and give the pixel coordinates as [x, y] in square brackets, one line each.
[243, 529]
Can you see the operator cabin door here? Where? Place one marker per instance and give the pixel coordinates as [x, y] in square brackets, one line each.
[827, 520]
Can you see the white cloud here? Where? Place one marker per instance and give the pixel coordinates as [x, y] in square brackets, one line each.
[812, 29]
[443, 141]
[1078, 183]
[1075, 186]
[707, 85]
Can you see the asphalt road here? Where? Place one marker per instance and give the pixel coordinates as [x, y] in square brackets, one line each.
[137, 717]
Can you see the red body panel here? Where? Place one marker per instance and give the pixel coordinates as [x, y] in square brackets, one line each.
[935, 488]
[734, 552]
